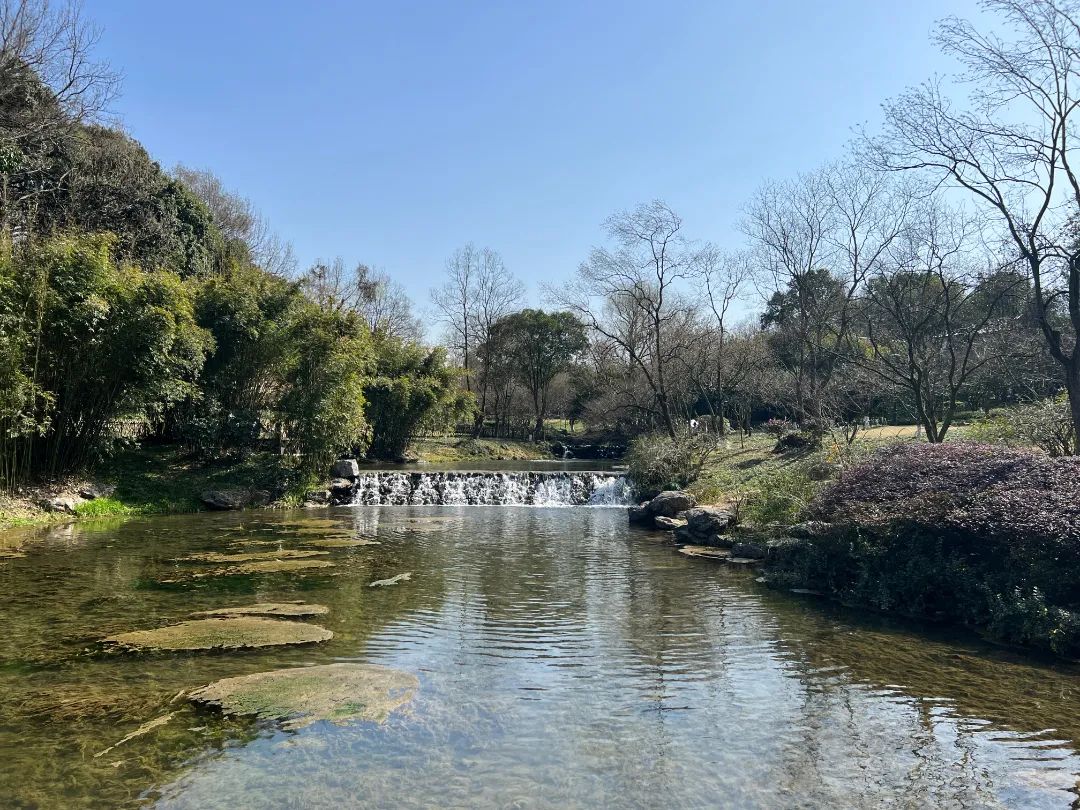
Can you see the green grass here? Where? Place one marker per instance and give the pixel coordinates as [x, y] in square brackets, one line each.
[165, 480]
[768, 487]
[453, 448]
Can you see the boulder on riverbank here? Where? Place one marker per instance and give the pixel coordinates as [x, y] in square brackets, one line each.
[345, 468]
[664, 511]
[341, 491]
[670, 502]
[667, 523]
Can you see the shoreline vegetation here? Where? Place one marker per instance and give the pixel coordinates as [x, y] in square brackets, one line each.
[159, 480]
[969, 534]
[159, 341]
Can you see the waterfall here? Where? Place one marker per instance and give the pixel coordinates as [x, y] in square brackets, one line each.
[509, 488]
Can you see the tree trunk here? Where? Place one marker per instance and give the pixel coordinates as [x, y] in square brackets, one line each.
[1072, 387]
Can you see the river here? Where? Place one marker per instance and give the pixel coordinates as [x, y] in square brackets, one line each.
[564, 660]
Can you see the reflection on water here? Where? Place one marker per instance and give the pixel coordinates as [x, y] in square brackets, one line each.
[564, 661]
[503, 465]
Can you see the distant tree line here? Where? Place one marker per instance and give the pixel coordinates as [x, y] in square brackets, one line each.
[933, 271]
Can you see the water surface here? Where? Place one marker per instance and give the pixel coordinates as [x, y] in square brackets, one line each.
[564, 661]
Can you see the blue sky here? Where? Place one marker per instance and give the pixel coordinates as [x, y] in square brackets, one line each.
[393, 132]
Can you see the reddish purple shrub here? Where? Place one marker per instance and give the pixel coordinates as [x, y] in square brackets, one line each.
[984, 489]
[974, 534]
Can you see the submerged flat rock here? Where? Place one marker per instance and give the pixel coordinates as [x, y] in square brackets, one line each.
[275, 566]
[706, 551]
[230, 633]
[341, 542]
[300, 696]
[292, 609]
[381, 583]
[249, 556]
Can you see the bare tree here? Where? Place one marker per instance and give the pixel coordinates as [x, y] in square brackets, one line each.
[239, 220]
[478, 292]
[388, 310]
[816, 239]
[714, 370]
[932, 315]
[1012, 150]
[54, 43]
[630, 295]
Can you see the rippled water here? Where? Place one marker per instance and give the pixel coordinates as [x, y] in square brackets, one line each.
[564, 661]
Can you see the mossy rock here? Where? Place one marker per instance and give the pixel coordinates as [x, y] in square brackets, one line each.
[341, 542]
[249, 556]
[262, 567]
[239, 632]
[271, 567]
[706, 551]
[298, 697]
[382, 583]
[290, 609]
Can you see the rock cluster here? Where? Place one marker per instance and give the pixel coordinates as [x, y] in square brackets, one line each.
[705, 526]
[678, 512]
[67, 501]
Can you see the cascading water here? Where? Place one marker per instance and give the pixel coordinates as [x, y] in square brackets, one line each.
[506, 488]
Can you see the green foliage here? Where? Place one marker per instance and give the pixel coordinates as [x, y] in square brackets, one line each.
[282, 371]
[87, 342]
[537, 346]
[323, 409]
[1046, 424]
[67, 176]
[782, 496]
[412, 388]
[657, 461]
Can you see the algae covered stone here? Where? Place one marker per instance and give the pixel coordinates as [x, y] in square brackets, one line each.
[274, 566]
[249, 556]
[300, 696]
[340, 542]
[229, 633]
[382, 583]
[291, 609]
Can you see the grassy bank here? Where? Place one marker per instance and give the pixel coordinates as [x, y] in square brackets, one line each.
[164, 480]
[963, 533]
[769, 487]
[441, 450]
[153, 481]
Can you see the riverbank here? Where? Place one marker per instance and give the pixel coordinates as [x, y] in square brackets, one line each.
[159, 480]
[973, 535]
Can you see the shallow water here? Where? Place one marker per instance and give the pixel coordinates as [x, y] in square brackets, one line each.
[564, 660]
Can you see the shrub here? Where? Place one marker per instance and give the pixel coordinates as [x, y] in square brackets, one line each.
[797, 440]
[1047, 425]
[970, 533]
[658, 462]
[778, 427]
[781, 496]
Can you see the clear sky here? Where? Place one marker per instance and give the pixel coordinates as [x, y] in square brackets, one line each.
[393, 132]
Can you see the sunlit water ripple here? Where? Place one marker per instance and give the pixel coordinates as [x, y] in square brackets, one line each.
[564, 661]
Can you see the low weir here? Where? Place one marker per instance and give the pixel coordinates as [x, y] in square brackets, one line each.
[504, 488]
